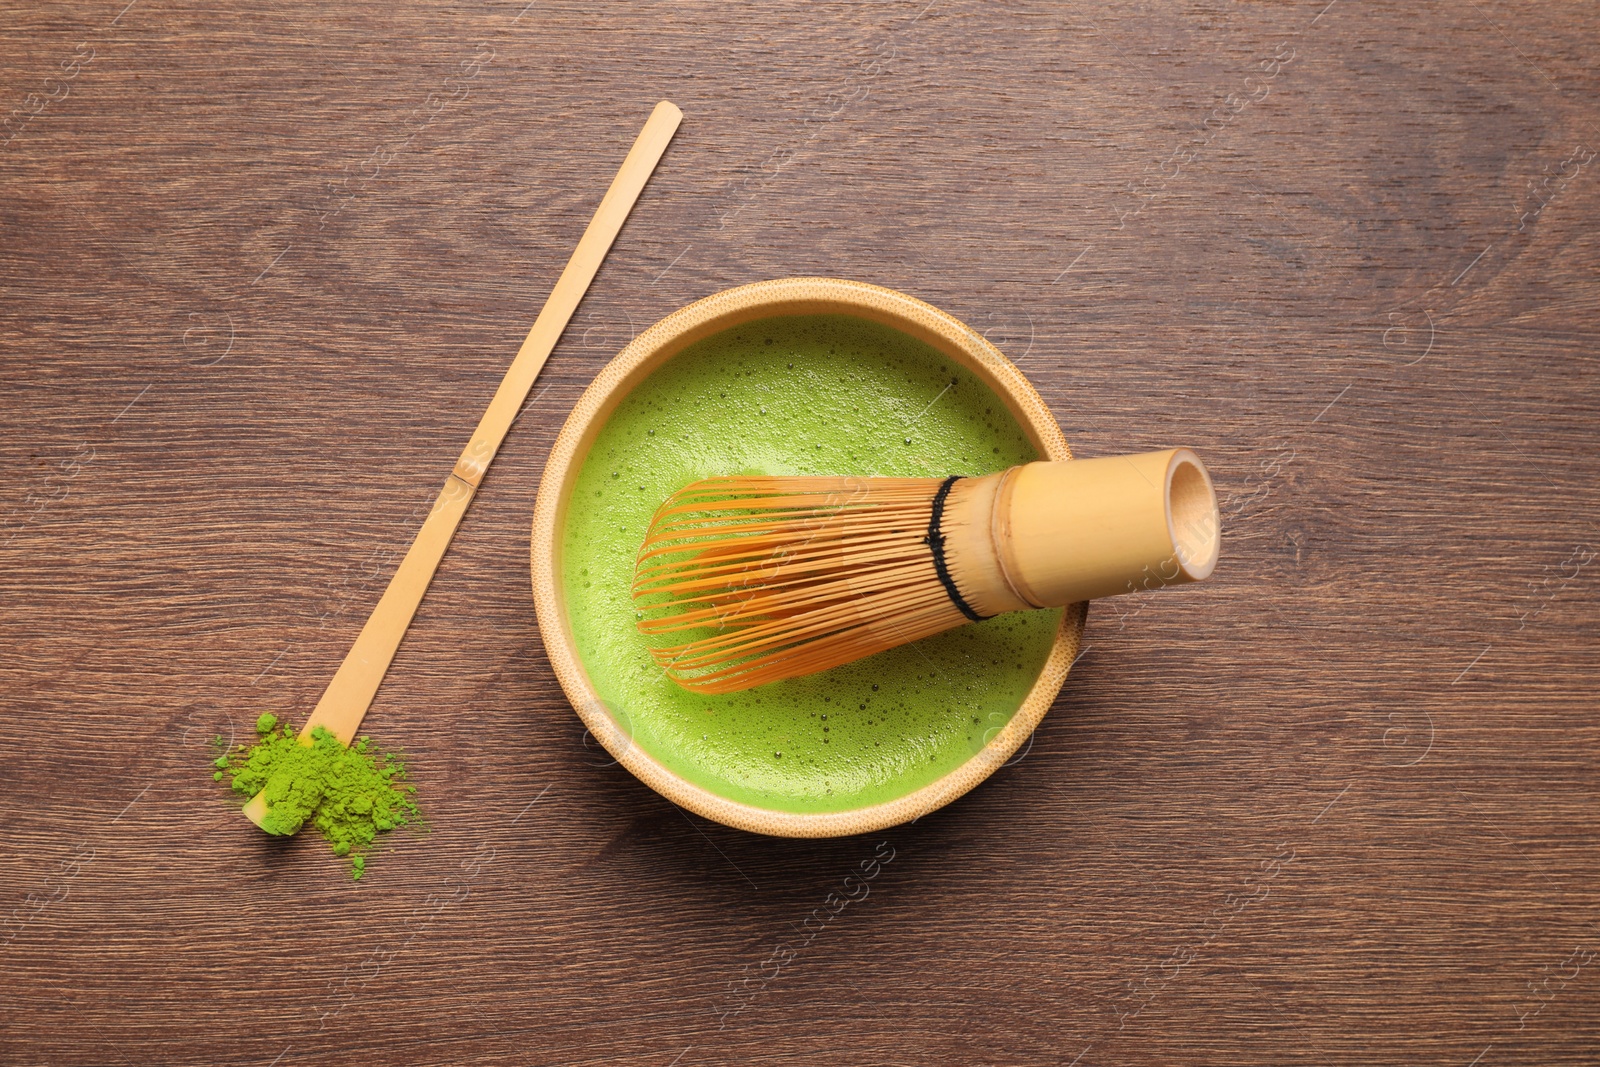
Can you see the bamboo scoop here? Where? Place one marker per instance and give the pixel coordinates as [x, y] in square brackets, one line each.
[347, 697]
[771, 578]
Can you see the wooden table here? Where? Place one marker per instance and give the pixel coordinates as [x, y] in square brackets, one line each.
[262, 266]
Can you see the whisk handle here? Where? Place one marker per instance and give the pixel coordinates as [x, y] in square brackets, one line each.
[1081, 529]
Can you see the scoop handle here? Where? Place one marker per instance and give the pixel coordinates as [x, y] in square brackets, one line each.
[1088, 528]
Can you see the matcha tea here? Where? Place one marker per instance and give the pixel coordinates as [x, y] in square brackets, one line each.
[800, 395]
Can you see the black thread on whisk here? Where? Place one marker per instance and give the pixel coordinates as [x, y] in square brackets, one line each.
[935, 542]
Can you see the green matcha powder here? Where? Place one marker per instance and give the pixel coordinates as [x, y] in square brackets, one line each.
[351, 795]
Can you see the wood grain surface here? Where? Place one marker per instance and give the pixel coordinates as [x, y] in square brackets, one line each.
[261, 267]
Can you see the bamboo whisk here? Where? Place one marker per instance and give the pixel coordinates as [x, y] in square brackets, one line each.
[757, 579]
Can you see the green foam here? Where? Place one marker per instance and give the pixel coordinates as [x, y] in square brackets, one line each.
[797, 395]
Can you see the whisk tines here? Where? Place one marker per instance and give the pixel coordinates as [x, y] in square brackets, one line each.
[767, 578]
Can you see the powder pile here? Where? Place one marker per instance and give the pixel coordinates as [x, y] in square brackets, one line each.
[350, 795]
